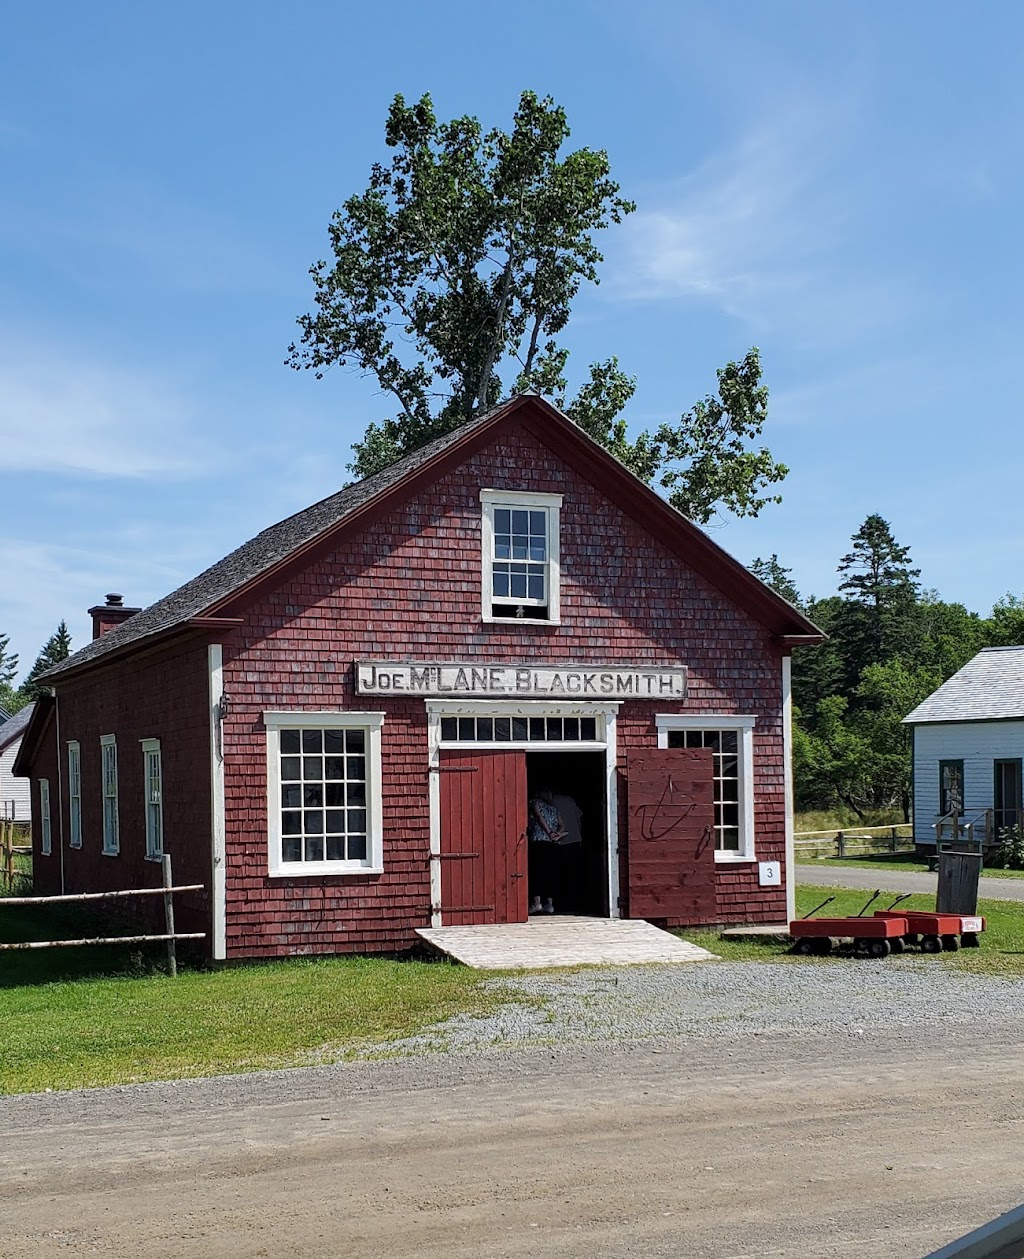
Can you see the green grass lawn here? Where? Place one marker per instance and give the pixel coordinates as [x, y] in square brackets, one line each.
[898, 861]
[1001, 952]
[84, 1017]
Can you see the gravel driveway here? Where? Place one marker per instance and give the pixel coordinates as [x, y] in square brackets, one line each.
[635, 1003]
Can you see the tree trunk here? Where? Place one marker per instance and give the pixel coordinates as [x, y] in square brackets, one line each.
[499, 320]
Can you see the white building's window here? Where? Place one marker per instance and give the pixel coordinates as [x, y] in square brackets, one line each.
[75, 793]
[153, 783]
[520, 560]
[324, 792]
[108, 760]
[731, 740]
[45, 831]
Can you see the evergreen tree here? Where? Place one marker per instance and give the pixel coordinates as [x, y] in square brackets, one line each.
[57, 648]
[10, 697]
[877, 622]
[771, 572]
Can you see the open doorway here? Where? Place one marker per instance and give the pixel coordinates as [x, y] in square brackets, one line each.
[580, 870]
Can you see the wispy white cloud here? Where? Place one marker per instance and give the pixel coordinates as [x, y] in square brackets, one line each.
[63, 412]
[760, 229]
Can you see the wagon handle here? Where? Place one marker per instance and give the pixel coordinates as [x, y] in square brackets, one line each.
[898, 899]
[817, 907]
[871, 901]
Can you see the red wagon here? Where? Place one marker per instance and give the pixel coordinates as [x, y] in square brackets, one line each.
[877, 936]
[937, 932]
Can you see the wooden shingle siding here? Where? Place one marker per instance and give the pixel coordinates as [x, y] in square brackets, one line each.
[409, 588]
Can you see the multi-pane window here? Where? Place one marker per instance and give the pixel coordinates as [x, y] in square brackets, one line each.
[45, 832]
[108, 763]
[519, 573]
[951, 787]
[724, 745]
[324, 792]
[153, 787]
[518, 729]
[520, 555]
[730, 737]
[75, 794]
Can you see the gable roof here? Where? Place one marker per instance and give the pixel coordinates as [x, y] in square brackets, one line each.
[15, 726]
[4, 715]
[291, 539]
[988, 688]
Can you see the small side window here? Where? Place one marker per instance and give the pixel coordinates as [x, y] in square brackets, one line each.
[45, 831]
[108, 759]
[75, 794]
[153, 786]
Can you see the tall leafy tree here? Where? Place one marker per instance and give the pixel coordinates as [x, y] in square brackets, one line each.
[463, 256]
[56, 649]
[452, 278]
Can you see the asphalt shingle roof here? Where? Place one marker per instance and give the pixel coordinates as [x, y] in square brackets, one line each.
[988, 688]
[15, 726]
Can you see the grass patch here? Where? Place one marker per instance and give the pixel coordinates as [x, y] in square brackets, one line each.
[1001, 952]
[119, 1030]
[85, 1017]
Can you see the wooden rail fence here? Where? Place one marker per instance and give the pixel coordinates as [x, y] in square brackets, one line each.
[857, 840]
[169, 936]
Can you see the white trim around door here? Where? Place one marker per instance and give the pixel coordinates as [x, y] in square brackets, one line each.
[605, 716]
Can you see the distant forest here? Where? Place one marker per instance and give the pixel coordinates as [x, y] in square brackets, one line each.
[891, 643]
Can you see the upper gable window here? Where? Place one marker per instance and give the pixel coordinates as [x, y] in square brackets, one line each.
[520, 555]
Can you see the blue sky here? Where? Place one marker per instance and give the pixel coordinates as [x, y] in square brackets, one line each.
[839, 184]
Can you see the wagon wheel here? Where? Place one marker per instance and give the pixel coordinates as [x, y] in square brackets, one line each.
[931, 944]
[803, 946]
[821, 947]
[950, 944]
[879, 948]
[897, 945]
[969, 940]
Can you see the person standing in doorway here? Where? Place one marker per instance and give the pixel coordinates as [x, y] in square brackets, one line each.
[546, 831]
[568, 871]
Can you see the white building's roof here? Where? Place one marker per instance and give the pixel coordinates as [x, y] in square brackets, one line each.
[988, 688]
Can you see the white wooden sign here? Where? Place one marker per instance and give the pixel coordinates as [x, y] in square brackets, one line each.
[378, 677]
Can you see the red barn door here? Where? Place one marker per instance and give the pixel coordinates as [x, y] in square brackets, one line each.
[670, 798]
[483, 837]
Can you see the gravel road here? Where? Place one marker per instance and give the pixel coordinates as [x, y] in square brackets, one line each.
[901, 881]
[708, 1111]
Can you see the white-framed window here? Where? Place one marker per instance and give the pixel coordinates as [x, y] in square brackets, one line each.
[108, 763]
[520, 555]
[324, 793]
[75, 793]
[731, 740]
[45, 830]
[153, 786]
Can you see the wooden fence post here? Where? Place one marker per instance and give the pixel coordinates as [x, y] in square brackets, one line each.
[172, 955]
[841, 844]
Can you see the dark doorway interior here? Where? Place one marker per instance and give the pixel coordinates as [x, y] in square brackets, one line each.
[581, 870]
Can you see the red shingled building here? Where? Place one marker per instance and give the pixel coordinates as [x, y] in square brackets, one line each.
[337, 728]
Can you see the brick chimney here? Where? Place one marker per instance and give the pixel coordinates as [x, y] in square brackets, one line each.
[109, 615]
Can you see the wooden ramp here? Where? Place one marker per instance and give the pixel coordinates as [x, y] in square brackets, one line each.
[558, 940]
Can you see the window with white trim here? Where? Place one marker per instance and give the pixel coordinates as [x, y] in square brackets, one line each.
[153, 786]
[520, 560]
[324, 792]
[45, 830]
[731, 740]
[108, 762]
[75, 793]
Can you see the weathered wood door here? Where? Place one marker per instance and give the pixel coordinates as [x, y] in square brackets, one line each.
[671, 835]
[483, 837]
